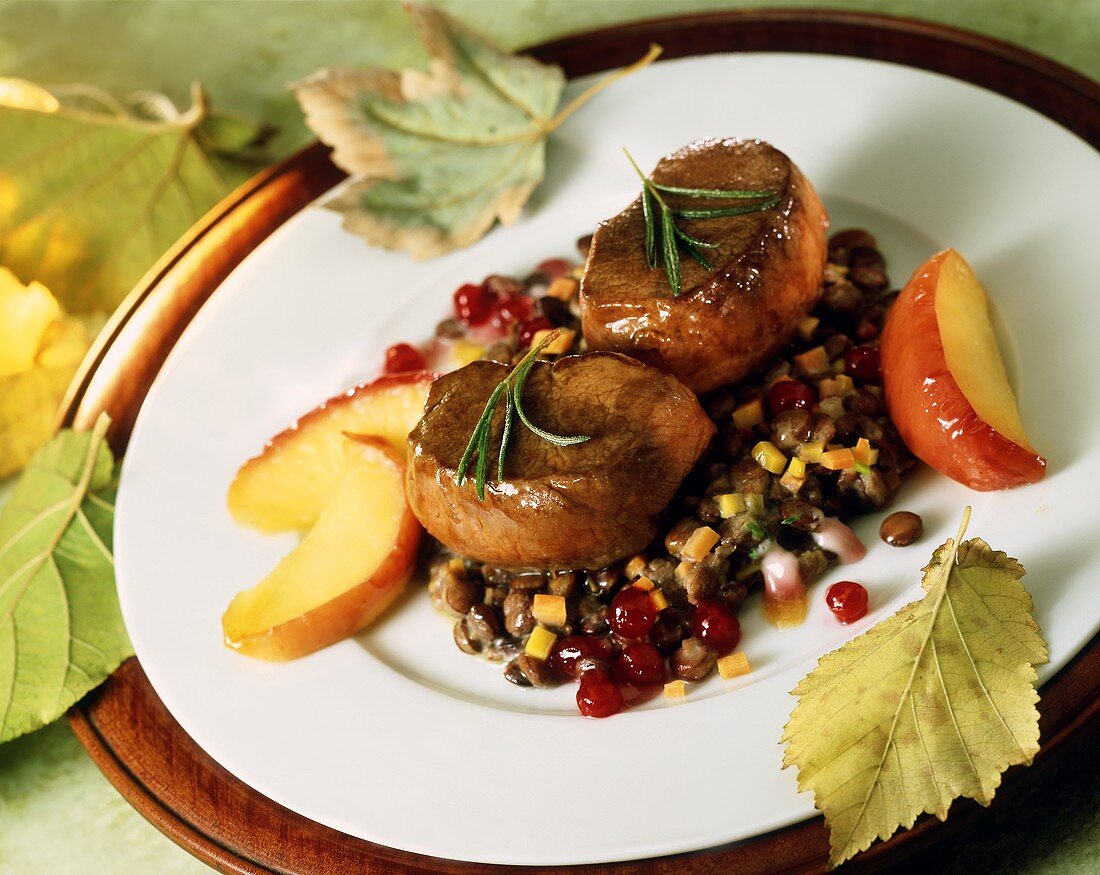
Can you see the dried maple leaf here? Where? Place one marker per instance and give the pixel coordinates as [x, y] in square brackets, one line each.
[438, 157]
[930, 705]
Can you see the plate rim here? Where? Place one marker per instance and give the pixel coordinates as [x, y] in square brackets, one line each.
[116, 723]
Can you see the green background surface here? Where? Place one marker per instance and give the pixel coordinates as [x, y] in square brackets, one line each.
[57, 813]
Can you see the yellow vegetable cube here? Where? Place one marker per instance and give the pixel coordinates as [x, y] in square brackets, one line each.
[770, 457]
[749, 414]
[734, 665]
[540, 643]
[658, 599]
[811, 452]
[797, 468]
[675, 690]
[808, 326]
[644, 583]
[730, 503]
[699, 544]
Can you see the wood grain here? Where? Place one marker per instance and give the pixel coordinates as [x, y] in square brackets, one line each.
[188, 796]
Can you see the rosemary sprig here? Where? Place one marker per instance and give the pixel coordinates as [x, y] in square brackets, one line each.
[511, 389]
[664, 240]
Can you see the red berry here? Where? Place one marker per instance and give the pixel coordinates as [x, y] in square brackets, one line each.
[640, 665]
[568, 652]
[862, 363]
[633, 612]
[714, 623]
[790, 395]
[473, 304]
[598, 696]
[513, 308]
[847, 600]
[528, 328]
[554, 268]
[401, 358]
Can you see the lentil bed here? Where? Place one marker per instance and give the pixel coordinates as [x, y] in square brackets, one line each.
[820, 398]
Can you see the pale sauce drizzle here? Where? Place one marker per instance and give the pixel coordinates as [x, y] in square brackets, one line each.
[785, 600]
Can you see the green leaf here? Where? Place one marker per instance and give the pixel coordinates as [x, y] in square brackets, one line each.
[438, 156]
[61, 631]
[94, 190]
[930, 705]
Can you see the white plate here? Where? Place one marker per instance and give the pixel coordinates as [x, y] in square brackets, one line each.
[399, 738]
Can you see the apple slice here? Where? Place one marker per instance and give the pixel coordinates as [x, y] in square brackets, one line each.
[287, 484]
[348, 569]
[946, 386]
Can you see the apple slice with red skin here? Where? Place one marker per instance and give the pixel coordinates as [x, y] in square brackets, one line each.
[946, 386]
[349, 567]
[287, 484]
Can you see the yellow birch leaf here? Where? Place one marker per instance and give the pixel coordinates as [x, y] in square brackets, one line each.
[930, 705]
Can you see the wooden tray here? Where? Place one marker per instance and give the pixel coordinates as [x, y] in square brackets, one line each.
[202, 807]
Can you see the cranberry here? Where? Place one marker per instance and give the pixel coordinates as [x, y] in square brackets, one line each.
[528, 328]
[554, 268]
[862, 363]
[514, 308]
[714, 623]
[790, 395]
[568, 652]
[598, 696]
[640, 665]
[847, 600]
[633, 613]
[401, 357]
[473, 304]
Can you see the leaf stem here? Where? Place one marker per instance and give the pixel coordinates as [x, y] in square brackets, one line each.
[594, 89]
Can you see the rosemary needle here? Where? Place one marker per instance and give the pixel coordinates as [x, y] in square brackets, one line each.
[511, 389]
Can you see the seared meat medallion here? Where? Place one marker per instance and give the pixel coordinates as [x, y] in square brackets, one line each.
[581, 506]
[767, 269]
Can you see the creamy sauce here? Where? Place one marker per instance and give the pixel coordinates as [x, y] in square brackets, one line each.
[782, 576]
[837, 538]
[785, 600]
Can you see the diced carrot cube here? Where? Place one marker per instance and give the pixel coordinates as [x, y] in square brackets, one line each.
[734, 665]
